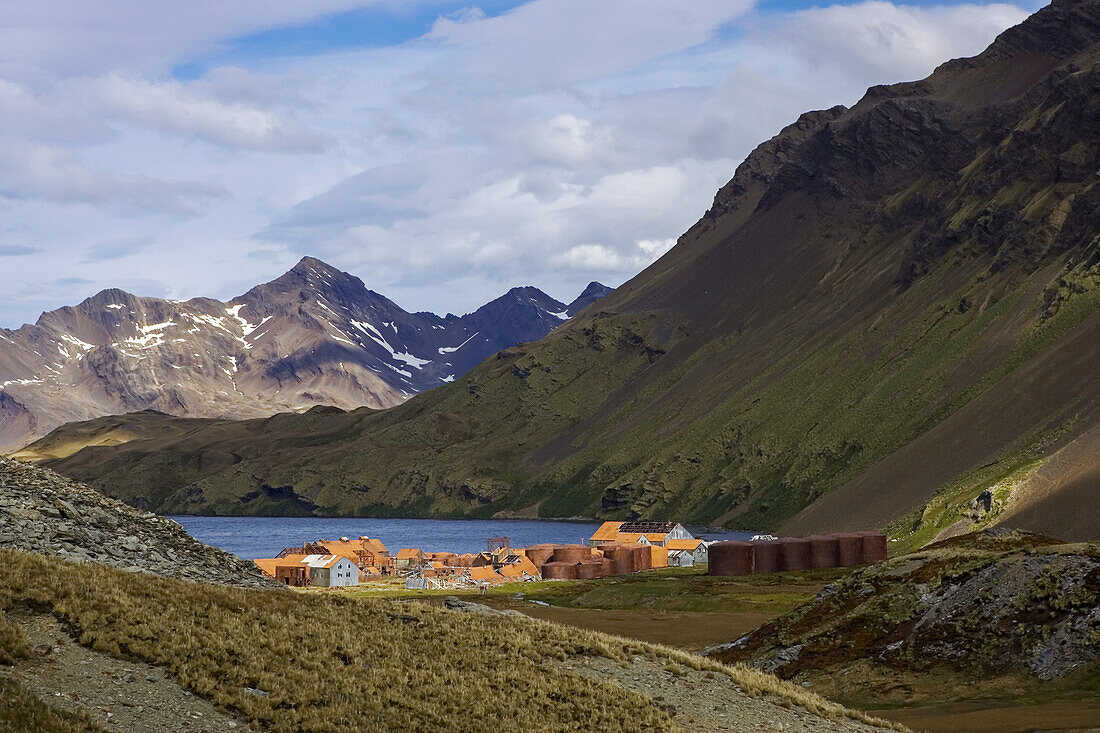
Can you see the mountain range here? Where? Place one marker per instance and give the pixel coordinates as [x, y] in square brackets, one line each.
[314, 336]
[889, 317]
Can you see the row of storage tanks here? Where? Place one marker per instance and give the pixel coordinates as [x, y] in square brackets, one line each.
[570, 562]
[796, 553]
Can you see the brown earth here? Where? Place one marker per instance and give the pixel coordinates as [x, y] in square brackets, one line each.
[992, 717]
[119, 695]
[689, 630]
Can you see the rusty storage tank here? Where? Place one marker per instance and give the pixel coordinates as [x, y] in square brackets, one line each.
[559, 571]
[766, 557]
[607, 567]
[623, 558]
[874, 547]
[729, 558]
[539, 554]
[795, 553]
[642, 557]
[824, 551]
[571, 553]
[850, 549]
[590, 569]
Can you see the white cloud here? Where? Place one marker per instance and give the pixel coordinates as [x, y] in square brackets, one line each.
[41, 172]
[87, 37]
[559, 142]
[171, 107]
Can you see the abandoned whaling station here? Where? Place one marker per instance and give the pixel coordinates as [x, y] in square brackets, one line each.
[616, 548]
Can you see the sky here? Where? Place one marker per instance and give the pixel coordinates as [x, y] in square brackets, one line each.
[441, 151]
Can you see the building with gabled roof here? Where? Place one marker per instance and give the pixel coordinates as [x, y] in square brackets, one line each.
[409, 557]
[331, 571]
[643, 533]
[607, 533]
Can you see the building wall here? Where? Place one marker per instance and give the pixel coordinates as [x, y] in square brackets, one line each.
[343, 573]
[681, 559]
[679, 533]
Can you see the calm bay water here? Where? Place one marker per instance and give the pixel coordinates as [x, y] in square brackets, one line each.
[251, 537]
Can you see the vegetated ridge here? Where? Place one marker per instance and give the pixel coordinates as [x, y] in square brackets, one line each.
[985, 615]
[888, 315]
[314, 336]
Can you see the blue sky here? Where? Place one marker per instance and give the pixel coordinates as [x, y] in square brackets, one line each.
[441, 151]
[392, 25]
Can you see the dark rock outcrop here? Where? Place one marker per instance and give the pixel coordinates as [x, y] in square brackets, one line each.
[48, 514]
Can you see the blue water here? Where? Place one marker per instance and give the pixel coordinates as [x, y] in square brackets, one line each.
[251, 537]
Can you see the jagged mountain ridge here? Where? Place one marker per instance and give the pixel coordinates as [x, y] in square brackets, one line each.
[886, 304]
[314, 336]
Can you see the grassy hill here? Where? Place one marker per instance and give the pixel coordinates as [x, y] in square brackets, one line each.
[322, 662]
[887, 311]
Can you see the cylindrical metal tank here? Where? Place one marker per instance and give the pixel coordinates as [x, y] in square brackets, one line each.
[623, 558]
[642, 558]
[559, 571]
[874, 547]
[824, 551]
[571, 553]
[729, 558]
[590, 569]
[607, 567]
[539, 554]
[766, 556]
[795, 553]
[850, 549]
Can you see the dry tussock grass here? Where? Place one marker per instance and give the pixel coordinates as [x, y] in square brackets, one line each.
[22, 712]
[328, 663]
[331, 663]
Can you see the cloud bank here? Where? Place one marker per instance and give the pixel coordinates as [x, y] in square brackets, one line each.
[551, 143]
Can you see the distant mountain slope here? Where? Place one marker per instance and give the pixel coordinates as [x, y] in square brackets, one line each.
[315, 335]
[888, 311]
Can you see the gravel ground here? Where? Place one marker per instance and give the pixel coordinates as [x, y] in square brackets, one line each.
[709, 701]
[125, 696]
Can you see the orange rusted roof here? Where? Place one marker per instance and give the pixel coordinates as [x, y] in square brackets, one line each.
[409, 553]
[607, 532]
[267, 565]
[290, 561]
[485, 573]
[683, 544]
[630, 538]
[526, 566]
[375, 543]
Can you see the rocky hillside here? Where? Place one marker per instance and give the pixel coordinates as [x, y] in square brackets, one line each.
[47, 514]
[314, 336]
[889, 311]
[984, 606]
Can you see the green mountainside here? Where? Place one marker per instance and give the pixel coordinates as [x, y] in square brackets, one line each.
[889, 312]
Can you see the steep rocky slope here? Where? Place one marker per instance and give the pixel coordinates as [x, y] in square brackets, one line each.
[48, 514]
[994, 608]
[313, 336]
[888, 311]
